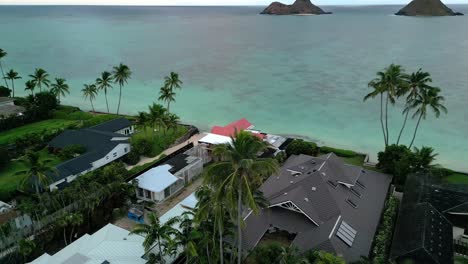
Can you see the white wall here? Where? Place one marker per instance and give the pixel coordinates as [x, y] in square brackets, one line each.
[124, 132]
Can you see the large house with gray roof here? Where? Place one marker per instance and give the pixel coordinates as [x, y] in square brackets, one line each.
[323, 204]
[104, 143]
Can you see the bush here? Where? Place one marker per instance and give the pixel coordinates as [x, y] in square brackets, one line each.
[398, 161]
[141, 146]
[383, 239]
[266, 254]
[299, 146]
[339, 152]
[4, 92]
[71, 151]
[132, 158]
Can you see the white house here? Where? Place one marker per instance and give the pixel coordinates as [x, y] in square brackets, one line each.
[102, 147]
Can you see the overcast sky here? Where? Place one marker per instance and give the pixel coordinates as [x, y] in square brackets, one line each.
[209, 2]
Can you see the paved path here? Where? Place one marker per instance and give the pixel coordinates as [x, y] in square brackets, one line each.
[194, 139]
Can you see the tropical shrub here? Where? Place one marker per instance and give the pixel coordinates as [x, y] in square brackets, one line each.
[141, 146]
[266, 254]
[299, 146]
[339, 152]
[4, 92]
[71, 151]
[396, 160]
[4, 157]
[383, 239]
[132, 158]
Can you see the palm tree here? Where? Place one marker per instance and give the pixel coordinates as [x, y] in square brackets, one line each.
[170, 121]
[427, 98]
[155, 232]
[90, 91]
[12, 76]
[40, 78]
[30, 86]
[37, 173]
[142, 120]
[3, 54]
[67, 220]
[172, 81]
[239, 174]
[414, 82]
[167, 95]
[188, 234]
[121, 74]
[156, 115]
[104, 83]
[378, 90]
[60, 87]
[425, 156]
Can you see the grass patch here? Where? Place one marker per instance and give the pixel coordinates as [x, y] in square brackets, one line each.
[357, 160]
[457, 178]
[14, 171]
[8, 137]
[460, 260]
[160, 140]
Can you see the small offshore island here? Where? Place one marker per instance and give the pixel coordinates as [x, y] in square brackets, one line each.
[299, 7]
[427, 8]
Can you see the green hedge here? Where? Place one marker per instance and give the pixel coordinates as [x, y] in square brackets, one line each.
[383, 238]
[339, 152]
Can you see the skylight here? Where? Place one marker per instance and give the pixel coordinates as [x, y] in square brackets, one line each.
[346, 233]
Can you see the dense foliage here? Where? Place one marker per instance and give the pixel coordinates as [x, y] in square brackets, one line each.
[4, 91]
[383, 239]
[71, 151]
[339, 152]
[299, 146]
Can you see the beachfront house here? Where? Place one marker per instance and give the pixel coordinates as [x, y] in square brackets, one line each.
[163, 181]
[104, 143]
[320, 203]
[432, 223]
[8, 108]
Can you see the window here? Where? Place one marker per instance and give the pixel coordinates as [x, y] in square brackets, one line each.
[125, 150]
[332, 183]
[360, 184]
[351, 202]
[346, 233]
[107, 157]
[114, 154]
[148, 194]
[355, 192]
[140, 192]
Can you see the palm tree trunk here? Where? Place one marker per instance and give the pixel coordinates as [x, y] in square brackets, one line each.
[13, 87]
[386, 121]
[65, 237]
[221, 253]
[381, 119]
[160, 250]
[3, 75]
[107, 104]
[168, 104]
[402, 128]
[71, 234]
[120, 96]
[239, 228]
[92, 106]
[415, 131]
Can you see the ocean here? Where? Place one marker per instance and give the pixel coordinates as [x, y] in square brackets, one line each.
[291, 75]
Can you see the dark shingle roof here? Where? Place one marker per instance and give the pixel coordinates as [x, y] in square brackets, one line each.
[178, 162]
[311, 184]
[113, 125]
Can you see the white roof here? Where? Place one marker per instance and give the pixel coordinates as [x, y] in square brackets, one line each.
[215, 139]
[179, 208]
[110, 243]
[157, 179]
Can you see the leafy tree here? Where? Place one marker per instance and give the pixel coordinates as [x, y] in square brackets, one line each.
[155, 233]
[70, 220]
[396, 160]
[290, 255]
[427, 98]
[4, 91]
[37, 172]
[299, 146]
[30, 86]
[239, 173]
[40, 77]
[156, 116]
[12, 76]
[415, 82]
[171, 121]
[90, 91]
[187, 236]
[103, 84]
[266, 254]
[3, 54]
[121, 75]
[142, 120]
[323, 257]
[166, 94]
[60, 88]
[26, 248]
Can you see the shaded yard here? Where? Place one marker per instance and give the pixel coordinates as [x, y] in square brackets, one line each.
[8, 137]
[282, 238]
[160, 139]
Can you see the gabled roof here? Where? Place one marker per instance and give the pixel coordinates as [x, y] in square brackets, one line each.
[314, 197]
[113, 125]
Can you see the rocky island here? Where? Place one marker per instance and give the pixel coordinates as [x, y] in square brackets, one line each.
[427, 8]
[300, 7]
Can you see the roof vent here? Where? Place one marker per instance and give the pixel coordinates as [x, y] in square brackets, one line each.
[277, 178]
[285, 193]
[363, 171]
[324, 174]
[291, 182]
[306, 199]
[302, 167]
[314, 189]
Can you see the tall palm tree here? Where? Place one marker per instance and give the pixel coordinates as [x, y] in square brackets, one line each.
[60, 88]
[157, 114]
[40, 78]
[70, 220]
[173, 81]
[187, 235]
[103, 83]
[377, 85]
[12, 76]
[121, 75]
[170, 121]
[90, 91]
[167, 95]
[3, 54]
[30, 86]
[425, 156]
[155, 232]
[427, 98]
[38, 172]
[239, 174]
[142, 120]
[414, 82]
[392, 82]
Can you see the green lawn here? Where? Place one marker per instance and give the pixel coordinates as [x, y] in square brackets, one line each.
[356, 160]
[12, 174]
[161, 140]
[8, 137]
[460, 260]
[457, 178]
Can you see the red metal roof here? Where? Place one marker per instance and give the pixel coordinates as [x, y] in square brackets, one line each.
[230, 129]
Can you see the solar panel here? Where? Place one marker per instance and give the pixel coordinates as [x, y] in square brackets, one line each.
[346, 233]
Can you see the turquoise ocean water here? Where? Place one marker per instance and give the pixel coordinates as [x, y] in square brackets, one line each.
[289, 75]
